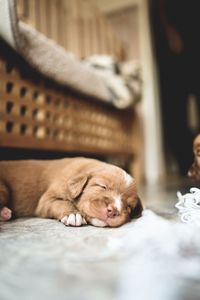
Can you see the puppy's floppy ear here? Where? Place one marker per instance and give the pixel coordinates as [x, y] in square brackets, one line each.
[137, 210]
[77, 185]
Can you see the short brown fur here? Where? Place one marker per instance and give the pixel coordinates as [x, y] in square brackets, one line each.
[57, 188]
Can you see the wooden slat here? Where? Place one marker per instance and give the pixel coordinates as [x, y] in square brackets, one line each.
[18, 141]
[91, 115]
[81, 128]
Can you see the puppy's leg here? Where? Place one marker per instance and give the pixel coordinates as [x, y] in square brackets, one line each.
[52, 206]
[5, 212]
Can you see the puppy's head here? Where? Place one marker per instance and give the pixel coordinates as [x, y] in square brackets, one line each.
[194, 171]
[106, 197]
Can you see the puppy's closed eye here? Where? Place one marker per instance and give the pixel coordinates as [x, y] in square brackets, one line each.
[102, 186]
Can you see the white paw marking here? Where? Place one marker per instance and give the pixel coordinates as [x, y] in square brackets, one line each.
[118, 202]
[128, 178]
[73, 220]
[97, 222]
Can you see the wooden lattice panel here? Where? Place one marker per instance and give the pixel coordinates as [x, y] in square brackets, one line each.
[33, 115]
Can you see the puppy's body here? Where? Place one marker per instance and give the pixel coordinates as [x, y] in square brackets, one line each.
[25, 183]
[28, 180]
[74, 190]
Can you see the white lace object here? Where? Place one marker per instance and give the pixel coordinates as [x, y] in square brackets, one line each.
[189, 206]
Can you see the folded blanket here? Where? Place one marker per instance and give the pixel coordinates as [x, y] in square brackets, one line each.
[54, 61]
[122, 79]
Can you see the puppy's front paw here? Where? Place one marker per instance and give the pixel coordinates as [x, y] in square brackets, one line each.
[73, 220]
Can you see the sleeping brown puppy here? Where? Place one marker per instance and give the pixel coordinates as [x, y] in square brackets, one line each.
[194, 171]
[75, 191]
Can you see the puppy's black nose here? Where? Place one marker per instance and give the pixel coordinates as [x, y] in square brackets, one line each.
[112, 212]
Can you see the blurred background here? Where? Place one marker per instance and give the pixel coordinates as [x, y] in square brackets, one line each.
[146, 90]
